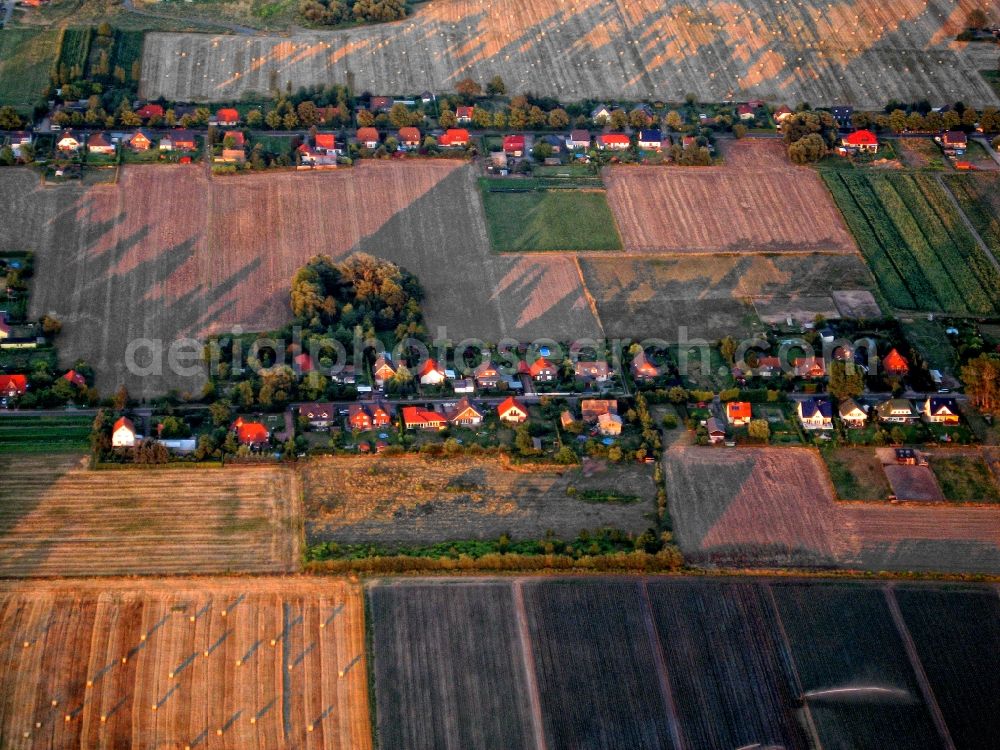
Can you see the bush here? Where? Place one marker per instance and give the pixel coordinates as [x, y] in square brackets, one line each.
[670, 422]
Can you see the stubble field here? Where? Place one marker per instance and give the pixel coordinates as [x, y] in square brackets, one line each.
[168, 254]
[422, 501]
[859, 51]
[57, 518]
[247, 664]
[680, 663]
[756, 202]
[776, 506]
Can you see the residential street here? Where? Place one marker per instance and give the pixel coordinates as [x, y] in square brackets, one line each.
[8, 11]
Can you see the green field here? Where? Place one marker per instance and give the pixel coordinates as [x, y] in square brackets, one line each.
[74, 50]
[44, 434]
[537, 218]
[856, 474]
[915, 243]
[26, 56]
[979, 197]
[965, 479]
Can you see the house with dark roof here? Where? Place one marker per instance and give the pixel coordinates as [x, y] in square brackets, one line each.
[465, 414]
[98, 143]
[843, 115]
[940, 410]
[954, 142]
[319, 415]
[896, 411]
[578, 139]
[486, 375]
[178, 140]
[851, 413]
[650, 140]
[815, 413]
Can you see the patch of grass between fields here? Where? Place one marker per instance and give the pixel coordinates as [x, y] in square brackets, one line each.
[965, 479]
[525, 216]
[26, 56]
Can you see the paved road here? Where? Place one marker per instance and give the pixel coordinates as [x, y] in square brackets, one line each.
[8, 11]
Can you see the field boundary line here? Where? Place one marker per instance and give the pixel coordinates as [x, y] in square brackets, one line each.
[795, 670]
[589, 297]
[661, 665]
[524, 636]
[918, 668]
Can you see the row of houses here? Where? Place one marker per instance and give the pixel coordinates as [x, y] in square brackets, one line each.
[141, 140]
[487, 377]
[16, 385]
[894, 364]
[817, 413]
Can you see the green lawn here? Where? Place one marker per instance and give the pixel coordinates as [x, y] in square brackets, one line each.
[965, 479]
[26, 56]
[547, 219]
[856, 473]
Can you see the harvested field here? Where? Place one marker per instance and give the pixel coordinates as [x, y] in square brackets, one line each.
[852, 667]
[127, 262]
[856, 303]
[57, 518]
[85, 663]
[681, 662]
[757, 202]
[776, 506]
[449, 667]
[913, 483]
[418, 501]
[858, 51]
[711, 296]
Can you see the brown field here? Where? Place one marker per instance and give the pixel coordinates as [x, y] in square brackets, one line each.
[415, 500]
[757, 202]
[861, 51]
[82, 664]
[168, 254]
[913, 483]
[776, 506]
[57, 518]
[714, 296]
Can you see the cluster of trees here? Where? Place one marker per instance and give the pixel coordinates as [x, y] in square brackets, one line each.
[981, 376]
[337, 12]
[922, 118]
[809, 135]
[47, 389]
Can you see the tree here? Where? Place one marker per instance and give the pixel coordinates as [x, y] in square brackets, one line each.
[810, 148]
[496, 87]
[728, 347]
[619, 119]
[566, 455]
[846, 381]
[221, 413]
[120, 400]
[230, 445]
[9, 119]
[558, 118]
[674, 121]
[677, 395]
[365, 118]
[447, 119]
[468, 88]
[759, 429]
[399, 115]
[272, 119]
[739, 130]
[481, 117]
[206, 447]
[981, 377]
[897, 436]
[254, 118]
[976, 19]
[6, 156]
[308, 113]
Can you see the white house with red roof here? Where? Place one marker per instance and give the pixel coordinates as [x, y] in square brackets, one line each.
[123, 434]
[513, 411]
[13, 385]
[513, 145]
[542, 370]
[860, 141]
[419, 418]
[75, 378]
[463, 114]
[431, 373]
[250, 433]
[465, 413]
[454, 138]
[613, 142]
[227, 117]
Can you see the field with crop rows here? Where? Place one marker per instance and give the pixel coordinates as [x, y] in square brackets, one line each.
[858, 51]
[680, 663]
[57, 518]
[449, 667]
[757, 202]
[955, 634]
[776, 506]
[979, 197]
[148, 259]
[247, 664]
[74, 49]
[410, 500]
[26, 57]
[921, 253]
[44, 434]
[547, 219]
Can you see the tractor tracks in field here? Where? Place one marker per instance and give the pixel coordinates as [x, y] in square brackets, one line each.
[967, 223]
[524, 635]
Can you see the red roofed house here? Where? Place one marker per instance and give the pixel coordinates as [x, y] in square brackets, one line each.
[464, 413]
[367, 137]
[860, 140]
[303, 362]
[178, 140]
[746, 112]
[150, 110]
[97, 143]
[781, 114]
[123, 433]
[367, 416]
[954, 142]
[487, 376]
[418, 418]
[250, 433]
[430, 373]
[613, 142]
[227, 117]
[140, 141]
[542, 370]
[380, 103]
[513, 145]
[239, 140]
[895, 364]
[409, 137]
[587, 372]
[738, 413]
[13, 385]
[326, 142]
[512, 410]
[463, 114]
[75, 378]
[809, 367]
[455, 138]
[383, 369]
